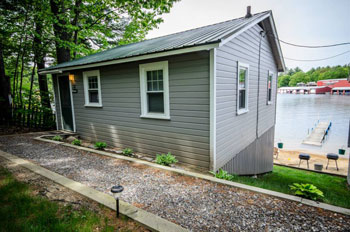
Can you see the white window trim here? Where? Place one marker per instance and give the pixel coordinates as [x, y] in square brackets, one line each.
[246, 109]
[143, 89]
[86, 88]
[269, 73]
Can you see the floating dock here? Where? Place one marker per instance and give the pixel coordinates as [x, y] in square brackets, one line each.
[318, 134]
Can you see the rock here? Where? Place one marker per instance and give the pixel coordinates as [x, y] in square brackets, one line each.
[110, 150]
[138, 156]
[71, 139]
[149, 159]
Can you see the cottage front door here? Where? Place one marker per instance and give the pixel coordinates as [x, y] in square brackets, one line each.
[66, 103]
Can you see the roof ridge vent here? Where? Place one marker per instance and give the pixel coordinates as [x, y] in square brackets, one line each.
[249, 14]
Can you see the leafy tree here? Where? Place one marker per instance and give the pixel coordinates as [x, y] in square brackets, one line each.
[299, 77]
[35, 33]
[82, 27]
[283, 80]
[313, 75]
[291, 72]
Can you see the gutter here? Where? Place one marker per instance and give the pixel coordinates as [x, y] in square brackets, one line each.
[55, 71]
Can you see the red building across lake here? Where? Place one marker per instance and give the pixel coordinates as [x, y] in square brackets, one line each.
[336, 86]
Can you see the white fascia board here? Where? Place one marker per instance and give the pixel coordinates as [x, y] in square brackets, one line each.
[137, 58]
[245, 28]
[253, 23]
[56, 71]
[273, 26]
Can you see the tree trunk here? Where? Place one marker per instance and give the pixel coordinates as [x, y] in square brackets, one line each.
[5, 107]
[22, 70]
[39, 56]
[17, 60]
[30, 96]
[61, 32]
[31, 87]
[44, 90]
[75, 23]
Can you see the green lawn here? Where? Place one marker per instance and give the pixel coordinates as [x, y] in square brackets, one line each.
[335, 189]
[22, 211]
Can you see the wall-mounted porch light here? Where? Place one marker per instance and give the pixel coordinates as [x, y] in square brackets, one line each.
[71, 78]
[117, 190]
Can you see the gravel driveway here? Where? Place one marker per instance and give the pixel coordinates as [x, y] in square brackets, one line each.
[196, 204]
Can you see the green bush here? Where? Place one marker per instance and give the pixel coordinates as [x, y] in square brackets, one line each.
[76, 142]
[222, 174]
[127, 151]
[100, 145]
[166, 159]
[308, 191]
[57, 138]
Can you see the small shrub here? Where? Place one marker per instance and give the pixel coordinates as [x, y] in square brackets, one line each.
[57, 138]
[222, 174]
[308, 191]
[100, 145]
[127, 151]
[76, 142]
[166, 159]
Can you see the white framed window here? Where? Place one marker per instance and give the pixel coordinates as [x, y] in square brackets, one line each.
[269, 87]
[92, 88]
[154, 88]
[242, 87]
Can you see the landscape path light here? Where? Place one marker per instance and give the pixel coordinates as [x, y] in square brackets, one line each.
[117, 190]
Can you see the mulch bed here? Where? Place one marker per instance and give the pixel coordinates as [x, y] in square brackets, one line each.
[196, 204]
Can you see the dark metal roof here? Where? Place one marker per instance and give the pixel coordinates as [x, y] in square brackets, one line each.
[200, 36]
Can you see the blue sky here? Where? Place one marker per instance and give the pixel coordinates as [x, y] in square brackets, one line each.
[307, 22]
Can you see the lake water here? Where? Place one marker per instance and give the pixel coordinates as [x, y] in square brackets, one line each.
[298, 113]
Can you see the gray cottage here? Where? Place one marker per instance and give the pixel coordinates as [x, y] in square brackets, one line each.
[206, 95]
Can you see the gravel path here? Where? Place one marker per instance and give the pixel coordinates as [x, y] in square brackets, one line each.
[195, 204]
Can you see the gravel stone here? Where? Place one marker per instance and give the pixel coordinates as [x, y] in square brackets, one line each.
[193, 203]
[70, 139]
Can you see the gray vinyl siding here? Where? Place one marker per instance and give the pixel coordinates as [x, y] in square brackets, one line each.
[235, 132]
[57, 102]
[118, 122]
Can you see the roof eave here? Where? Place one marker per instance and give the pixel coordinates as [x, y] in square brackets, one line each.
[199, 47]
[272, 22]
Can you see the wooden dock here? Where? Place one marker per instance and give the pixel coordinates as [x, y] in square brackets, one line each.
[317, 135]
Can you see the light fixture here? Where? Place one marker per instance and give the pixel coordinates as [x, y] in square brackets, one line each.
[71, 78]
[117, 190]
